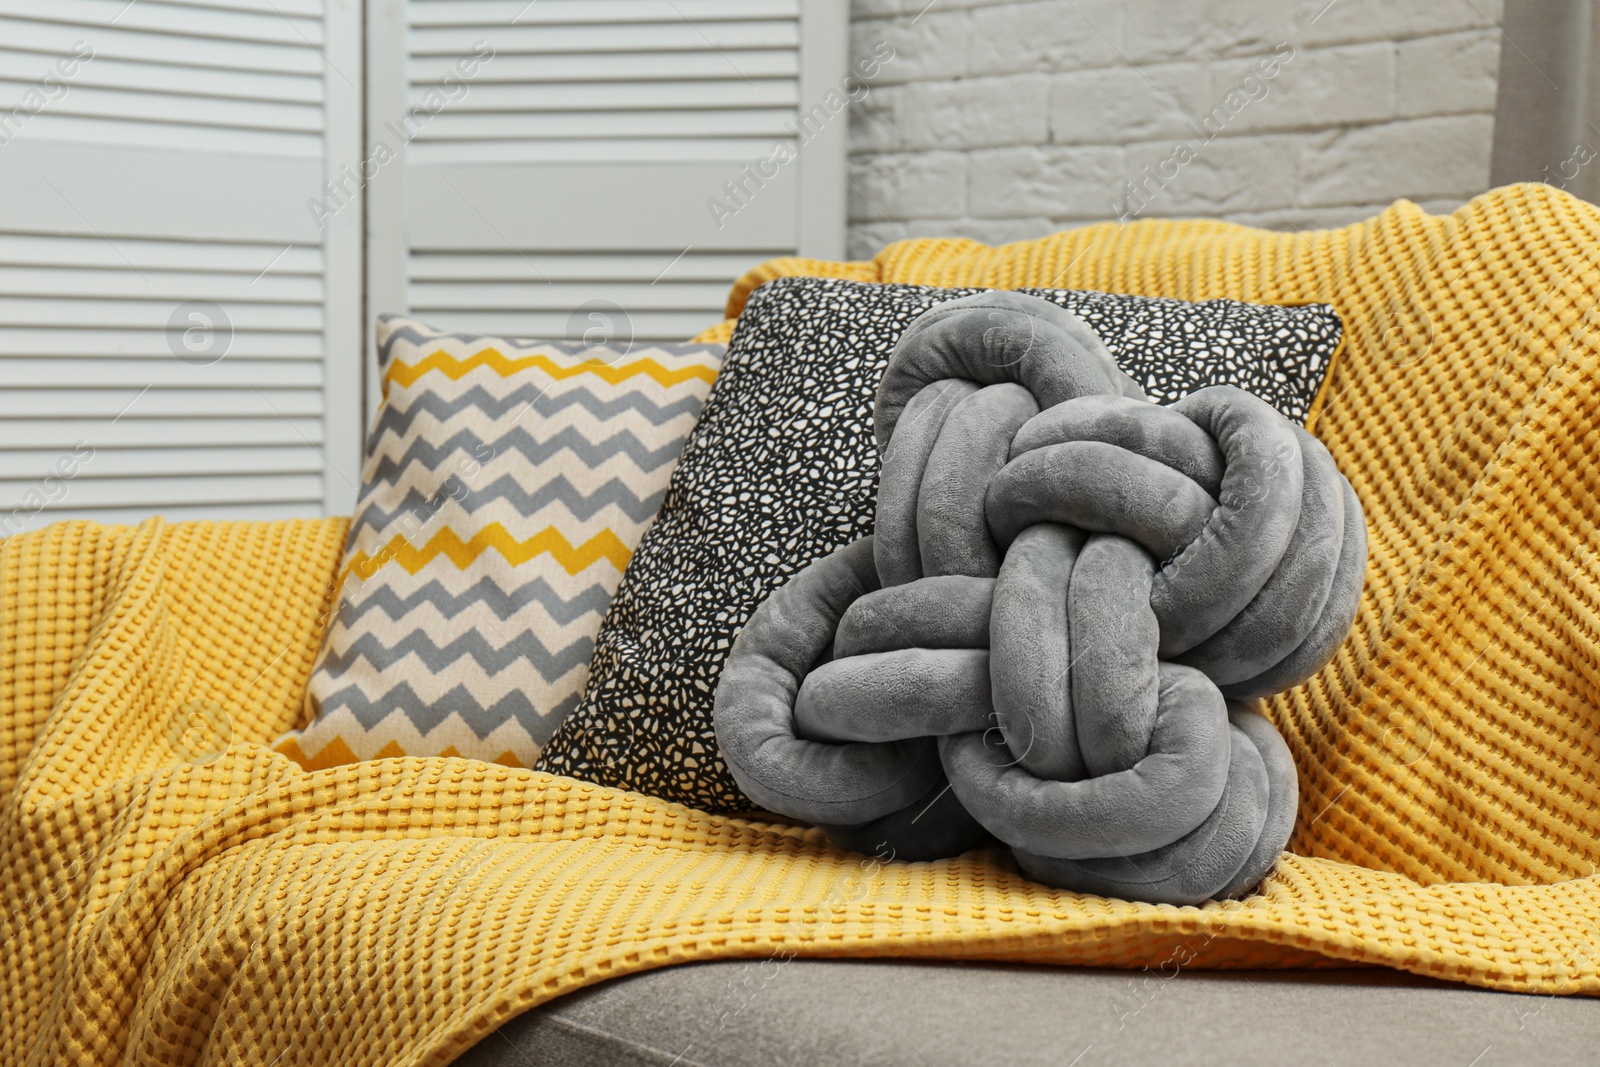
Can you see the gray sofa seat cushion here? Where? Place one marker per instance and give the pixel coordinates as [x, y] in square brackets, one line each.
[891, 1013]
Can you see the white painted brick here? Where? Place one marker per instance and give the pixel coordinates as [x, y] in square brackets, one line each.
[1007, 119]
[1313, 87]
[975, 113]
[1002, 231]
[1448, 74]
[1126, 103]
[1322, 22]
[875, 120]
[1226, 175]
[913, 9]
[934, 47]
[866, 240]
[1159, 30]
[908, 185]
[866, 9]
[1050, 35]
[1066, 182]
[1434, 158]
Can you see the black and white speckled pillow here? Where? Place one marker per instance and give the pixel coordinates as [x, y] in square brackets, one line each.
[782, 470]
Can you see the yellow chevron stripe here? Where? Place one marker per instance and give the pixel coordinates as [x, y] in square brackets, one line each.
[407, 373]
[574, 559]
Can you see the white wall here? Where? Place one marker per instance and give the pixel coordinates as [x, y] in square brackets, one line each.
[1012, 120]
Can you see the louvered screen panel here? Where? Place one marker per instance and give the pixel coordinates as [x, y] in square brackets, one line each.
[166, 176]
[572, 167]
[667, 297]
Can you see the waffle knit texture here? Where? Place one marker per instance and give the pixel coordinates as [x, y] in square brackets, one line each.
[173, 891]
[505, 486]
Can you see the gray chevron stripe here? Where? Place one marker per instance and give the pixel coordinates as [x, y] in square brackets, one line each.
[523, 646]
[590, 453]
[506, 488]
[421, 335]
[485, 593]
[369, 711]
[544, 405]
[433, 455]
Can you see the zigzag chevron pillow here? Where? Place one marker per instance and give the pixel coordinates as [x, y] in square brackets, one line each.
[505, 485]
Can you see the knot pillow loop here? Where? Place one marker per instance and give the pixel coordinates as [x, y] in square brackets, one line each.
[1049, 640]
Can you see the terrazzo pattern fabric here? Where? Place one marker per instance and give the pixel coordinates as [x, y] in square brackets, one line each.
[782, 470]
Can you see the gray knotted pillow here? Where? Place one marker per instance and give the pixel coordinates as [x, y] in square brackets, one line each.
[1069, 594]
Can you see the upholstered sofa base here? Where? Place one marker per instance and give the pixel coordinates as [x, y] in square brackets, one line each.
[855, 1013]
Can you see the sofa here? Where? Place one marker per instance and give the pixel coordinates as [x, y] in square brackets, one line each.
[234, 906]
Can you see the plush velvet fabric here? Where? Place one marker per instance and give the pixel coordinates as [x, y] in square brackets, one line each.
[1052, 638]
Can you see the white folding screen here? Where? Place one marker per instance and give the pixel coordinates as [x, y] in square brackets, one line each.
[598, 167]
[203, 202]
[178, 334]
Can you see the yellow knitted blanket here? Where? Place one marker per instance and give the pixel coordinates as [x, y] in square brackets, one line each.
[174, 892]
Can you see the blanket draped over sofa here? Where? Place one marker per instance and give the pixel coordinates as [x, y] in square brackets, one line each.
[172, 891]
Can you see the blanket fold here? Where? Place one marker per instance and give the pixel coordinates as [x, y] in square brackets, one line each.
[171, 891]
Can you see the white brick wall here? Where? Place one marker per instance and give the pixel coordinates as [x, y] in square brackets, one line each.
[1003, 121]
